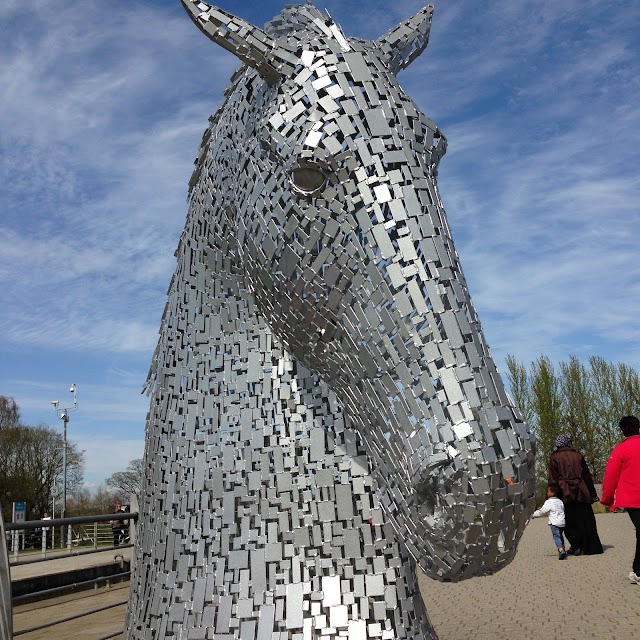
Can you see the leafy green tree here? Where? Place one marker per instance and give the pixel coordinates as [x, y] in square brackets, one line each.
[547, 405]
[584, 401]
[616, 394]
[520, 385]
[579, 413]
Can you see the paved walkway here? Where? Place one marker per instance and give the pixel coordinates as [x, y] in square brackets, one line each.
[538, 597]
[91, 627]
[535, 598]
[60, 562]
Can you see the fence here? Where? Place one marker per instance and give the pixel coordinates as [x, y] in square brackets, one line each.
[49, 539]
[61, 537]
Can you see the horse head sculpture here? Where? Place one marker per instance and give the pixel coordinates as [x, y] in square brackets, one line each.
[325, 411]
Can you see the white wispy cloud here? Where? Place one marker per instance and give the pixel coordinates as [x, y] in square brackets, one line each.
[540, 184]
[96, 136]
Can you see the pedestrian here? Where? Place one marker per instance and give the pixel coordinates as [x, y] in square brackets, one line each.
[125, 525]
[555, 508]
[621, 484]
[568, 471]
[45, 531]
[117, 527]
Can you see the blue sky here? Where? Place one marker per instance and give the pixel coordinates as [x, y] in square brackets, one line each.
[103, 106]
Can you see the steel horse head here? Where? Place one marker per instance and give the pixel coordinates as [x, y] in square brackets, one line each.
[325, 411]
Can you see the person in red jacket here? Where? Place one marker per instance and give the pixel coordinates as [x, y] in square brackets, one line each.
[621, 483]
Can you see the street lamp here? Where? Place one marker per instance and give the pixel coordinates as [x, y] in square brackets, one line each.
[63, 414]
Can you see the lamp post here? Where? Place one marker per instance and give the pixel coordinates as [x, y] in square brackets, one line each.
[63, 414]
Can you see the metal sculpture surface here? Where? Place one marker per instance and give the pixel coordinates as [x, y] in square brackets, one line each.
[6, 609]
[325, 412]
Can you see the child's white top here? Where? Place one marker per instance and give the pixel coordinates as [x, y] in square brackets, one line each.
[555, 509]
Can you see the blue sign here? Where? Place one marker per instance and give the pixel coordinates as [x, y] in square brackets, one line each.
[19, 511]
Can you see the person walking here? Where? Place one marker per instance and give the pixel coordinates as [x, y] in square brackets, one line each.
[621, 483]
[117, 527]
[555, 508]
[45, 531]
[568, 471]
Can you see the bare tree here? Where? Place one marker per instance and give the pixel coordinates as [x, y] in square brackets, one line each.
[31, 461]
[87, 502]
[9, 413]
[128, 481]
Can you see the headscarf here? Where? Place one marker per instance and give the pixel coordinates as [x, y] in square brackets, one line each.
[562, 440]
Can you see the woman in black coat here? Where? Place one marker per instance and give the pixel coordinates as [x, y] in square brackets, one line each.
[568, 470]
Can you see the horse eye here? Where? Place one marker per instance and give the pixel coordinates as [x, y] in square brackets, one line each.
[308, 179]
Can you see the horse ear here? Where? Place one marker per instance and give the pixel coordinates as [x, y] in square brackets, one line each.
[405, 42]
[271, 58]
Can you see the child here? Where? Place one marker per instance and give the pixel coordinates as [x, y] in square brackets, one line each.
[555, 508]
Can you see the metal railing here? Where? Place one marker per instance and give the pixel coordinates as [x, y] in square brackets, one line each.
[73, 533]
[61, 533]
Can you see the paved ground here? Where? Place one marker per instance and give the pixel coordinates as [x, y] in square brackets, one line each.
[92, 627]
[65, 562]
[538, 597]
[535, 598]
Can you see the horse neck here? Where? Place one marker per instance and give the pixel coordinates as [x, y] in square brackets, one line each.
[245, 431]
